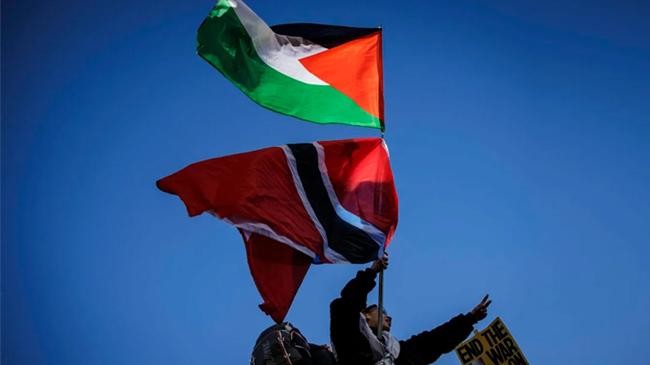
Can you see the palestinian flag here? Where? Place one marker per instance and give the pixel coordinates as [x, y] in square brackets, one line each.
[319, 73]
[297, 204]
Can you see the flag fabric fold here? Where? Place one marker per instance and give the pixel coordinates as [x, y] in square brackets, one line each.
[319, 73]
[297, 204]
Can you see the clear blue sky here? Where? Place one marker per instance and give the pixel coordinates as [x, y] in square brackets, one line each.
[519, 140]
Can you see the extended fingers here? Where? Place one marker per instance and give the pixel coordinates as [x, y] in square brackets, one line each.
[487, 304]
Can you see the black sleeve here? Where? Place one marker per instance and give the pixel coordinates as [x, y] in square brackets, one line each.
[355, 292]
[351, 346]
[353, 298]
[427, 346]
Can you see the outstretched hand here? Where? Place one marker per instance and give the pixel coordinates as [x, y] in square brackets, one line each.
[381, 264]
[480, 311]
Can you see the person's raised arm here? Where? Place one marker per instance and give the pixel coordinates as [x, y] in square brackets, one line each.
[356, 290]
[427, 346]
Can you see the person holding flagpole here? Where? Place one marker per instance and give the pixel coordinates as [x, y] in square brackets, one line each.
[354, 326]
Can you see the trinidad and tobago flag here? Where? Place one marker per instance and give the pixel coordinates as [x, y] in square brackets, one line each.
[297, 204]
[319, 73]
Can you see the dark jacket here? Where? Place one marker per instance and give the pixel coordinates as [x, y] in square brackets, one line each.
[352, 347]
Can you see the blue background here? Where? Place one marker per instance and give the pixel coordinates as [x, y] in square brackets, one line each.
[519, 140]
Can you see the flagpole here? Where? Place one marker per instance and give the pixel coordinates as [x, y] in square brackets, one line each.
[380, 301]
[380, 305]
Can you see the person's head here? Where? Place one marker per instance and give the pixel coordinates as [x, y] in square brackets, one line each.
[371, 313]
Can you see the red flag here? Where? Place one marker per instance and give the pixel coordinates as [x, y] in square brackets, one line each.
[297, 204]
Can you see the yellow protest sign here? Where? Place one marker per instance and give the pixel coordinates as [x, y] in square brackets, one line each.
[492, 346]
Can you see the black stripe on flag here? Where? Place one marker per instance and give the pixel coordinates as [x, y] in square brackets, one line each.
[351, 242]
[327, 36]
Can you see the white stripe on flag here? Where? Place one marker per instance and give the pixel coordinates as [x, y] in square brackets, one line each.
[264, 230]
[378, 236]
[330, 254]
[281, 52]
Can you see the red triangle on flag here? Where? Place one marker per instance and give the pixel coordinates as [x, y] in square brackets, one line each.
[278, 271]
[355, 69]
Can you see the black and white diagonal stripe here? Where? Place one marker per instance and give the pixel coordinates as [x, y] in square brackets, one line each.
[346, 237]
